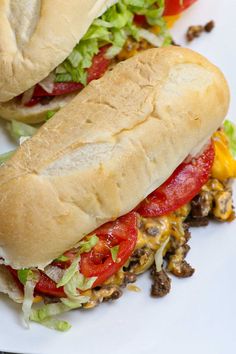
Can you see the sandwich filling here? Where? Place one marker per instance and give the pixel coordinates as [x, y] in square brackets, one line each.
[125, 28]
[152, 236]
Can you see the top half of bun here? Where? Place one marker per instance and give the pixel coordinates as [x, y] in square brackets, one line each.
[111, 146]
[37, 35]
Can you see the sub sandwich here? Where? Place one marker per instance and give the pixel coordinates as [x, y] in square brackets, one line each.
[51, 49]
[107, 189]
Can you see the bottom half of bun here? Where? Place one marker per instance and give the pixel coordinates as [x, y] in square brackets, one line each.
[14, 110]
[8, 286]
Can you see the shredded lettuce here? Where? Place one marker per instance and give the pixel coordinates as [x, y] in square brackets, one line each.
[47, 311]
[6, 156]
[83, 246]
[62, 259]
[50, 114]
[159, 255]
[54, 323]
[75, 304]
[71, 288]
[69, 272]
[53, 272]
[30, 279]
[112, 28]
[78, 281]
[18, 130]
[45, 314]
[87, 244]
[230, 131]
[114, 252]
[24, 274]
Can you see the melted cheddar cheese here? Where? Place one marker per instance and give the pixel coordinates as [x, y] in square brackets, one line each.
[224, 166]
[170, 20]
[154, 232]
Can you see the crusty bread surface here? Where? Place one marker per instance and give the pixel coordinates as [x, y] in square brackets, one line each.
[37, 35]
[102, 154]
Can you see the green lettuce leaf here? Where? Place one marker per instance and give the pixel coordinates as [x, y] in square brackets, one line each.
[47, 311]
[78, 281]
[50, 114]
[114, 252]
[88, 244]
[112, 28]
[20, 130]
[73, 270]
[54, 323]
[6, 156]
[30, 279]
[45, 314]
[75, 304]
[24, 274]
[160, 254]
[230, 131]
[69, 272]
[62, 259]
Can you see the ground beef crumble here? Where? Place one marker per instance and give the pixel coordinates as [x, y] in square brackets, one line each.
[161, 283]
[214, 201]
[195, 31]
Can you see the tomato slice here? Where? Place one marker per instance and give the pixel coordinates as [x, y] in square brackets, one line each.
[181, 186]
[140, 20]
[99, 66]
[175, 7]
[98, 262]
[33, 102]
[179, 189]
[59, 88]
[48, 287]
[44, 286]
[172, 8]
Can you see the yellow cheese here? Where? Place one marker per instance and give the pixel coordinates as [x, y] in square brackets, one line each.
[224, 166]
[37, 299]
[170, 20]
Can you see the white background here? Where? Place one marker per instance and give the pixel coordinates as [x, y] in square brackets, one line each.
[199, 315]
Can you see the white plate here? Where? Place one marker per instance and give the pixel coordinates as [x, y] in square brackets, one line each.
[199, 315]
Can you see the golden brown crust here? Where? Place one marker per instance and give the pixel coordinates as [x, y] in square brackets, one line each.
[116, 142]
[34, 39]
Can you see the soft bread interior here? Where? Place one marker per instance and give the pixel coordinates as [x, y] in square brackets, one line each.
[8, 285]
[34, 40]
[117, 141]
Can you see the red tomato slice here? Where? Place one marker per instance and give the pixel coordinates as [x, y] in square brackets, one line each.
[181, 186]
[140, 20]
[172, 7]
[175, 7]
[71, 255]
[48, 287]
[98, 262]
[33, 102]
[99, 66]
[45, 285]
[60, 88]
